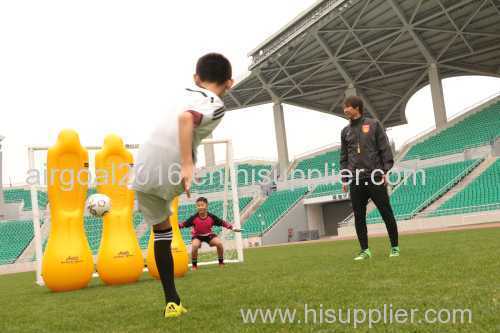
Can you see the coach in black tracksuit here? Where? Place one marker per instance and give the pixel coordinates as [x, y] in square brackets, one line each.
[365, 150]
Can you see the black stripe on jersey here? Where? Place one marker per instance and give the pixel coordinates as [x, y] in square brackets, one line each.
[218, 116]
[219, 111]
[198, 91]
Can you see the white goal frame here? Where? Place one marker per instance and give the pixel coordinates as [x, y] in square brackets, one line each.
[229, 165]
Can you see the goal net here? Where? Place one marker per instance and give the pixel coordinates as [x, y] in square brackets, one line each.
[218, 184]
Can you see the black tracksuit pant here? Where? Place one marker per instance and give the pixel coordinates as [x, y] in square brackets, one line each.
[360, 193]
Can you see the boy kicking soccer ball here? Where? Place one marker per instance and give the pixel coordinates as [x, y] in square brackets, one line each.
[165, 162]
[202, 223]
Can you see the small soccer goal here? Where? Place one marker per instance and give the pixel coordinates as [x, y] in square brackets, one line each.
[223, 197]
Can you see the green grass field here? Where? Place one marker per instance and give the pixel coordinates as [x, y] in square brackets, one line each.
[450, 270]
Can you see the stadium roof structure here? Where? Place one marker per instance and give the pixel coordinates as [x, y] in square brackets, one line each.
[382, 50]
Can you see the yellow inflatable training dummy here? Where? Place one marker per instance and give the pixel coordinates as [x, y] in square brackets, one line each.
[119, 259]
[67, 262]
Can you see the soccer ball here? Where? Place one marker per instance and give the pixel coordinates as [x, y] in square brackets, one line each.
[98, 204]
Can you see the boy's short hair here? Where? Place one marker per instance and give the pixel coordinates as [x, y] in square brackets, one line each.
[355, 102]
[214, 67]
[202, 199]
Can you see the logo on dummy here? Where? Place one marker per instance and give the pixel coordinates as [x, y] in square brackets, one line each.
[123, 254]
[71, 260]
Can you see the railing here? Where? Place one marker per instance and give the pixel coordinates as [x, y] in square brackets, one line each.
[345, 221]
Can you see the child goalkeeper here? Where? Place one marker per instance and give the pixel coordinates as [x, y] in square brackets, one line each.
[202, 223]
[165, 162]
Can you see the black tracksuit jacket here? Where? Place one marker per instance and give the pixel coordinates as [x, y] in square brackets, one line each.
[374, 149]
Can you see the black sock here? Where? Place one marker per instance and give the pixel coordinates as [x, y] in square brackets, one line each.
[165, 264]
[221, 260]
[194, 262]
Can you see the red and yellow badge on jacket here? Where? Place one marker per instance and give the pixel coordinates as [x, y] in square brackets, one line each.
[366, 128]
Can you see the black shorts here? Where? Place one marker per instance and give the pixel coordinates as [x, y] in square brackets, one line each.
[205, 239]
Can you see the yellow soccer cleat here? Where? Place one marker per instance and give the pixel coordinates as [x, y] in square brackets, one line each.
[173, 310]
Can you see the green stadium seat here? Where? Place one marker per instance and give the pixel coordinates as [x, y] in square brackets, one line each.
[271, 210]
[476, 130]
[326, 189]
[482, 194]
[415, 194]
[15, 236]
[324, 163]
[248, 174]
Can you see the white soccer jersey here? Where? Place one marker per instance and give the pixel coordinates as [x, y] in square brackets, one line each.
[157, 169]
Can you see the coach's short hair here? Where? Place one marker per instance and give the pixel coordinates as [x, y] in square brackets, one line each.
[355, 102]
[214, 67]
[202, 199]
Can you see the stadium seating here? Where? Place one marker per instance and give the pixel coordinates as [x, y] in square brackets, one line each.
[21, 195]
[329, 160]
[271, 210]
[483, 193]
[16, 195]
[415, 194]
[326, 189]
[336, 188]
[209, 182]
[15, 236]
[474, 131]
[185, 211]
[248, 174]
[93, 229]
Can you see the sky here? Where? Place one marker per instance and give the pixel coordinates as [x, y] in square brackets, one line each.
[104, 67]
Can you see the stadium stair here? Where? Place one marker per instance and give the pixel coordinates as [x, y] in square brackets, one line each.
[409, 199]
[482, 194]
[251, 208]
[272, 210]
[371, 206]
[464, 182]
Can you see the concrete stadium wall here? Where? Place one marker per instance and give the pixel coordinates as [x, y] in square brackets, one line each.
[496, 148]
[430, 223]
[18, 268]
[294, 219]
[471, 153]
[11, 211]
